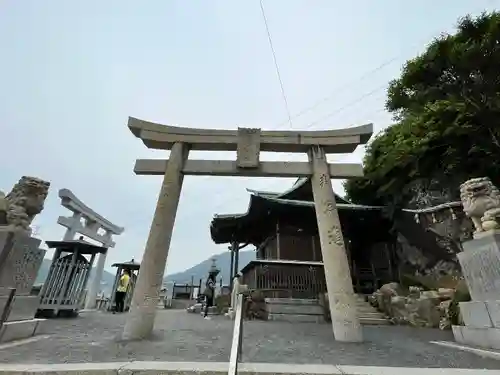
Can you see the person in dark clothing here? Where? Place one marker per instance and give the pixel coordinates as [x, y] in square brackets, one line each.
[209, 294]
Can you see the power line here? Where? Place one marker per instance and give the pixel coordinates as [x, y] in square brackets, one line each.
[341, 89]
[350, 104]
[361, 78]
[276, 63]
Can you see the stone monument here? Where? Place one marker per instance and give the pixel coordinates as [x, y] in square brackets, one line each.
[480, 262]
[20, 258]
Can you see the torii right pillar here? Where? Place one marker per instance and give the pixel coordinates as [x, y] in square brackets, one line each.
[345, 321]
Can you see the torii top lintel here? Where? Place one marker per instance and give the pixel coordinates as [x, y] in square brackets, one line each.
[157, 136]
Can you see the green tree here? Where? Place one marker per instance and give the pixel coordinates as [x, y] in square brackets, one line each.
[446, 105]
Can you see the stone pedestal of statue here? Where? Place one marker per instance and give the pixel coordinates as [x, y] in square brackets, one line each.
[480, 262]
[20, 261]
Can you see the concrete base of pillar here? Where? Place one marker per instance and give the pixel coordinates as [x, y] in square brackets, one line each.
[345, 320]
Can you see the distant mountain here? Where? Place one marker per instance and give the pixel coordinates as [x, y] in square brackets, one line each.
[200, 271]
[107, 278]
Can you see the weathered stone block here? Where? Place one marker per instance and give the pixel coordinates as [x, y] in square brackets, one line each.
[482, 337]
[475, 314]
[291, 301]
[493, 335]
[475, 336]
[298, 309]
[493, 308]
[480, 263]
[20, 260]
[22, 307]
[293, 318]
[18, 330]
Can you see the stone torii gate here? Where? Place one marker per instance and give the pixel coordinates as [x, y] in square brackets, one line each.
[247, 143]
[92, 225]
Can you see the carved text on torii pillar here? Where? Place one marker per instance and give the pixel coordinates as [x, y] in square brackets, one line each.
[248, 150]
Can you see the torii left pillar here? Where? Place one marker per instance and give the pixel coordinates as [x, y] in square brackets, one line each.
[142, 313]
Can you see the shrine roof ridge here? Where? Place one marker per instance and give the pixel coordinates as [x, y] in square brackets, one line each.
[301, 181]
[343, 206]
[298, 203]
[158, 136]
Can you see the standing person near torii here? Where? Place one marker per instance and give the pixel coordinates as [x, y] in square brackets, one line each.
[210, 285]
[209, 294]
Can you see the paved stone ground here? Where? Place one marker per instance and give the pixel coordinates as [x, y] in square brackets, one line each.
[187, 337]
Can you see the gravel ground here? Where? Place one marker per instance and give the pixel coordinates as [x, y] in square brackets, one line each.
[180, 336]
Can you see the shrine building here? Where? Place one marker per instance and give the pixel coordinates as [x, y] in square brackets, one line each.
[283, 228]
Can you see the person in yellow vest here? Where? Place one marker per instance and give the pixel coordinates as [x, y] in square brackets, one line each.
[121, 291]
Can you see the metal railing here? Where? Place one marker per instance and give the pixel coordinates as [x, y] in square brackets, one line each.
[236, 342]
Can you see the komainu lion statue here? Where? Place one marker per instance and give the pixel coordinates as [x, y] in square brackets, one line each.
[481, 202]
[23, 203]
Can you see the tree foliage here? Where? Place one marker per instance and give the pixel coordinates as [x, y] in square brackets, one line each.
[446, 107]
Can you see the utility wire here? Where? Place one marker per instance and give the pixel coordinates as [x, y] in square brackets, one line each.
[350, 104]
[276, 63]
[359, 79]
[341, 89]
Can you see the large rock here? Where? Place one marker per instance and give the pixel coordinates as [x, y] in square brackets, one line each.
[423, 312]
[392, 289]
[385, 294]
[398, 312]
[413, 306]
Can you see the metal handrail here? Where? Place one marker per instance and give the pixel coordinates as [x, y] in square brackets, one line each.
[236, 342]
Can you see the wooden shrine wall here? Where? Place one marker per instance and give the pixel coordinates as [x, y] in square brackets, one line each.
[293, 245]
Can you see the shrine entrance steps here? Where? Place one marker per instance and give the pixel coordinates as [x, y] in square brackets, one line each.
[310, 311]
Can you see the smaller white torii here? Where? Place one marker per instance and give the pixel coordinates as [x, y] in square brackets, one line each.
[92, 223]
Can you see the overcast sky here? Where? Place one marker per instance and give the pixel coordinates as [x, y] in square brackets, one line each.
[71, 72]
